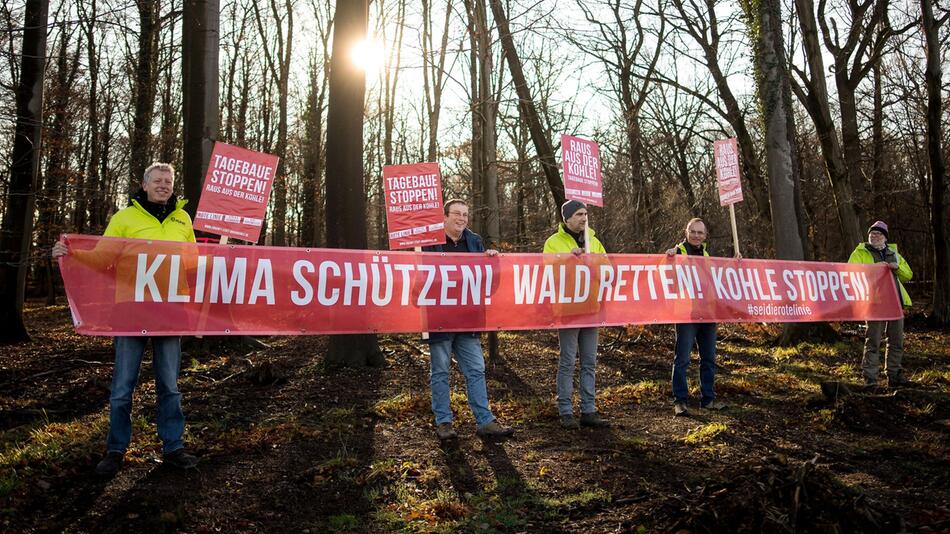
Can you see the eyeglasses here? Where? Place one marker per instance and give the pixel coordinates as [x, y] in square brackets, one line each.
[459, 214]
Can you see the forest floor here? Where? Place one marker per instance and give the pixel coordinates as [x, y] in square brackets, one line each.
[288, 446]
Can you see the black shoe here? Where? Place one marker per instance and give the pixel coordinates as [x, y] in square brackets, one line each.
[593, 419]
[180, 459]
[898, 380]
[568, 421]
[110, 464]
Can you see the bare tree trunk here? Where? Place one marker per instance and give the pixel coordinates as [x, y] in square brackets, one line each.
[311, 231]
[200, 37]
[346, 213]
[312, 218]
[240, 130]
[58, 144]
[16, 231]
[528, 112]
[484, 107]
[865, 38]
[774, 91]
[107, 183]
[278, 63]
[478, 171]
[877, 135]
[91, 179]
[938, 181]
[433, 89]
[140, 137]
[854, 50]
[236, 47]
[815, 99]
[485, 151]
[170, 111]
[706, 33]
[851, 145]
[390, 83]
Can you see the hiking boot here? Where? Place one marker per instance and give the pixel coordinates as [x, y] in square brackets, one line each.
[594, 420]
[445, 431]
[679, 409]
[494, 430]
[870, 382]
[898, 380]
[715, 405]
[110, 464]
[180, 459]
[568, 421]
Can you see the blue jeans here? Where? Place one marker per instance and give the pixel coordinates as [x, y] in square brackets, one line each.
[572, 339]
[166, 361]
[703, 334]
[468, 354]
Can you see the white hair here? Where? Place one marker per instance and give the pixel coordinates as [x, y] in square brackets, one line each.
[160, 166]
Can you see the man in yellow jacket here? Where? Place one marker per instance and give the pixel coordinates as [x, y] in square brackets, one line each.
[878, 250]
[155, 214]
[569, 239]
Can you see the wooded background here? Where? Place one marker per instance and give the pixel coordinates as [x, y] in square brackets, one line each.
[836, 107]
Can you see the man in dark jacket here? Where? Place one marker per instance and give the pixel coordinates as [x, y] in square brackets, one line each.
[466, 346]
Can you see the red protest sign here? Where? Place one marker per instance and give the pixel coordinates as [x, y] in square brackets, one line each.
[234, 197]
[140, 287]
[727, 171]
[580, 160]
[414, 214]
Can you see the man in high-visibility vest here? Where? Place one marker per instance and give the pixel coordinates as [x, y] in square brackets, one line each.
[878, 250]
[155, 213]
[569, 239]
[689, 334]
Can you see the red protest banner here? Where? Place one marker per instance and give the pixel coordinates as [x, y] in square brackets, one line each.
[414, 214]
[727, 171]
[234, 197]
[139, 287]
[580, 160]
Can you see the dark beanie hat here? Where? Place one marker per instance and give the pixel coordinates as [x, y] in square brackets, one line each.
[880, 226]
[571, 206]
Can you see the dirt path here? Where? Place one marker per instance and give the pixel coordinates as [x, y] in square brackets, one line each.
[299, 449]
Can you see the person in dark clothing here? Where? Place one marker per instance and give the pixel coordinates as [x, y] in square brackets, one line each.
[466, 346]
[689, 334]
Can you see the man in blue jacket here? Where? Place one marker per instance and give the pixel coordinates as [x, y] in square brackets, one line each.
[466, 346]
